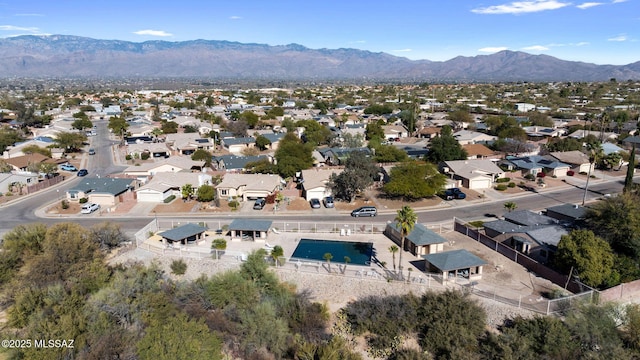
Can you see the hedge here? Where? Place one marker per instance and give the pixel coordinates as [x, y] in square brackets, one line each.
[169, 199]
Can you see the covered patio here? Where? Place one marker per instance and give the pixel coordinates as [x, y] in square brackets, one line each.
[249, 229]
[185, 234]
[455, 263]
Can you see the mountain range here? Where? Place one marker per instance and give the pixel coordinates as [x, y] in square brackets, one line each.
[64, 56]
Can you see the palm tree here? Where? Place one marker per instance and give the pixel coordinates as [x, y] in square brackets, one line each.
[328, 257]
[595, 154]
[510, 206]
[393, 250]
[347, 260]
[276, 253]
[406, 219]
[218, 244]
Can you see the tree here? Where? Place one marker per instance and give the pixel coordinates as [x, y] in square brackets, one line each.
[374, 130]
[118, 125]
[202, 155]
[108, 235]
[393, 250]
[413, 180]
[250, 118]
[206, 193]
[187, 191]
[595, 153]
[82, 123]
[406, 219]
[314, 132]
[276, 254]
[628, 180]
[590, 256]
[70, 141]
[510, 206]
[292, 155]
[360, 172]
[327, 257]
[262, 142]
[178, 267]
[218, 244]
[617, 220]
[445, 148]
[35, 149]
[169, 127]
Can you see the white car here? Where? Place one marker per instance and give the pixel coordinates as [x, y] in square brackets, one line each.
[88, 208]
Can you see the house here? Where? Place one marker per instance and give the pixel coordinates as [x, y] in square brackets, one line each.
[473, 137]
[172, 164]
[15, 150]
[314, 182]
[455, 263]
[429, 132]
[479, 151]
[249, 186]
[185, 234]
[274, 138]
[16, 183]
[609, 148]
[578, 160]
[237, 145]
[107, 192]
[604, 136]
[538, 132]
[164, 184]
[528, 218]
[28, 162]
[235, 163]
[567, 213]
[249, 229]
[392, 132]
[420, 241]
[535, 164]
[338, 156]
[188, 143]
[474, 174]
[155, 150]
[524, 107]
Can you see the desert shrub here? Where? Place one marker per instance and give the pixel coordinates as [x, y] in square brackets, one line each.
[178, 267]
[145, 156]
[501, 187]
[83, 200]
[529, 177]
[503, 180]
[169, 199]
[64, 204]
[234, 204]
[128, 157]
[477, 223]
[511, 184]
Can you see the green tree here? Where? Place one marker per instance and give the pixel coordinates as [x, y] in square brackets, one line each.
[202, 155]
[360, 172]
[178, 267]
[389, 153]
[191, 339]
[406, 219]
[206, 193]
[70, 141]
[374, 130]
[314, 132]
[617, 220]
[292, 155]
[276, 254]
[217, 245]
[413, 180]
[510, 206]
[262, 142]
[118, 125]
[590, 256]
[169, 127]
[82, 123]
[327, 257]
[445, 148]
[187, 191]
[250, 118]
[35, 149]
[628, 180]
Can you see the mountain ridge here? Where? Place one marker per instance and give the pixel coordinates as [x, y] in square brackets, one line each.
[74, 56]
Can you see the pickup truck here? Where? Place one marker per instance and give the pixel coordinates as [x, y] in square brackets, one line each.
[454, 193]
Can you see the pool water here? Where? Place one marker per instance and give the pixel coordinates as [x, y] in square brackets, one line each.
[359, 252]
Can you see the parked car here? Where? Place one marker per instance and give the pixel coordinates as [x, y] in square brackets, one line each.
[315, 203]
[88, 208]
[68, 167]
[259, 204]
[365, 211]
[92, 151]
[454, 193]
[83, 172]
[328, 202]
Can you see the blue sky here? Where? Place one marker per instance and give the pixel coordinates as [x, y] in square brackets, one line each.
[599, 31]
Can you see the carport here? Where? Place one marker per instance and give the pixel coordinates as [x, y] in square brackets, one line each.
[188, 233]
[455, 263]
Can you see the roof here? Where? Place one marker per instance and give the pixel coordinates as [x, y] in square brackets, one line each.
[528, 218]
[315, 178]
[609, 148]
[548, 235]
[473, 168]
[571, 157]
[569, 210]
[478, 149]
[23, 161]
[420, 235]
[536, 162]
[265, 182]
[239, 141]
[232, 162]
[113, 186]
[183, 232]
[250, 225]
[454, 260]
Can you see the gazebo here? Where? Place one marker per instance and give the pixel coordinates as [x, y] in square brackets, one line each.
[420, 241]
[454, 263]
[188, 233]
[249, 229]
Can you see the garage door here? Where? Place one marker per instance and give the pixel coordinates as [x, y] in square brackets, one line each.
[479, 184]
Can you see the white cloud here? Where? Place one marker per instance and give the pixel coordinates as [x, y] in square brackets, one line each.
[494, 49]
[618, 1]
[535, 48]
[588, 5]
[619, 38]
[521, 7]
[17, 28]
[402, 50]
[235, 17]
[160, 33]
[29, 15]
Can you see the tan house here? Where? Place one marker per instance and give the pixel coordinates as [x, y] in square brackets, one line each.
[164, 184]
[420, 241]
[248, 186]
[314, 185]
[107, 192]
[479, 151]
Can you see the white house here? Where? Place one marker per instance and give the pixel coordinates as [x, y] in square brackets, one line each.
[165, 184]
[465, 137]
[248, 186]
[474, 174]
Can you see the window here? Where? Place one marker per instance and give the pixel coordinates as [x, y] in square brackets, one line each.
[224, 192]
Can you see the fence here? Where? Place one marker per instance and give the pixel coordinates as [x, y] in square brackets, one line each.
[45, 183]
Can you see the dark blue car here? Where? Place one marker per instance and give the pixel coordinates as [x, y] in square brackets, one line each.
[83, 172]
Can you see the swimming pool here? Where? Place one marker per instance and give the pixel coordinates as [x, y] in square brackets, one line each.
[359, 253]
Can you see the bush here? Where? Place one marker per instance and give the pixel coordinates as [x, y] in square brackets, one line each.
[529, 177]
[583, 173]
[570, 173]
[128, 157]
[145, 156]
[169, 199]
[477, 223]
[83, 200]
[64, 204]
[503, 180]
[178, 267]
[511, 184]
[501, 187]
[541, 175]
